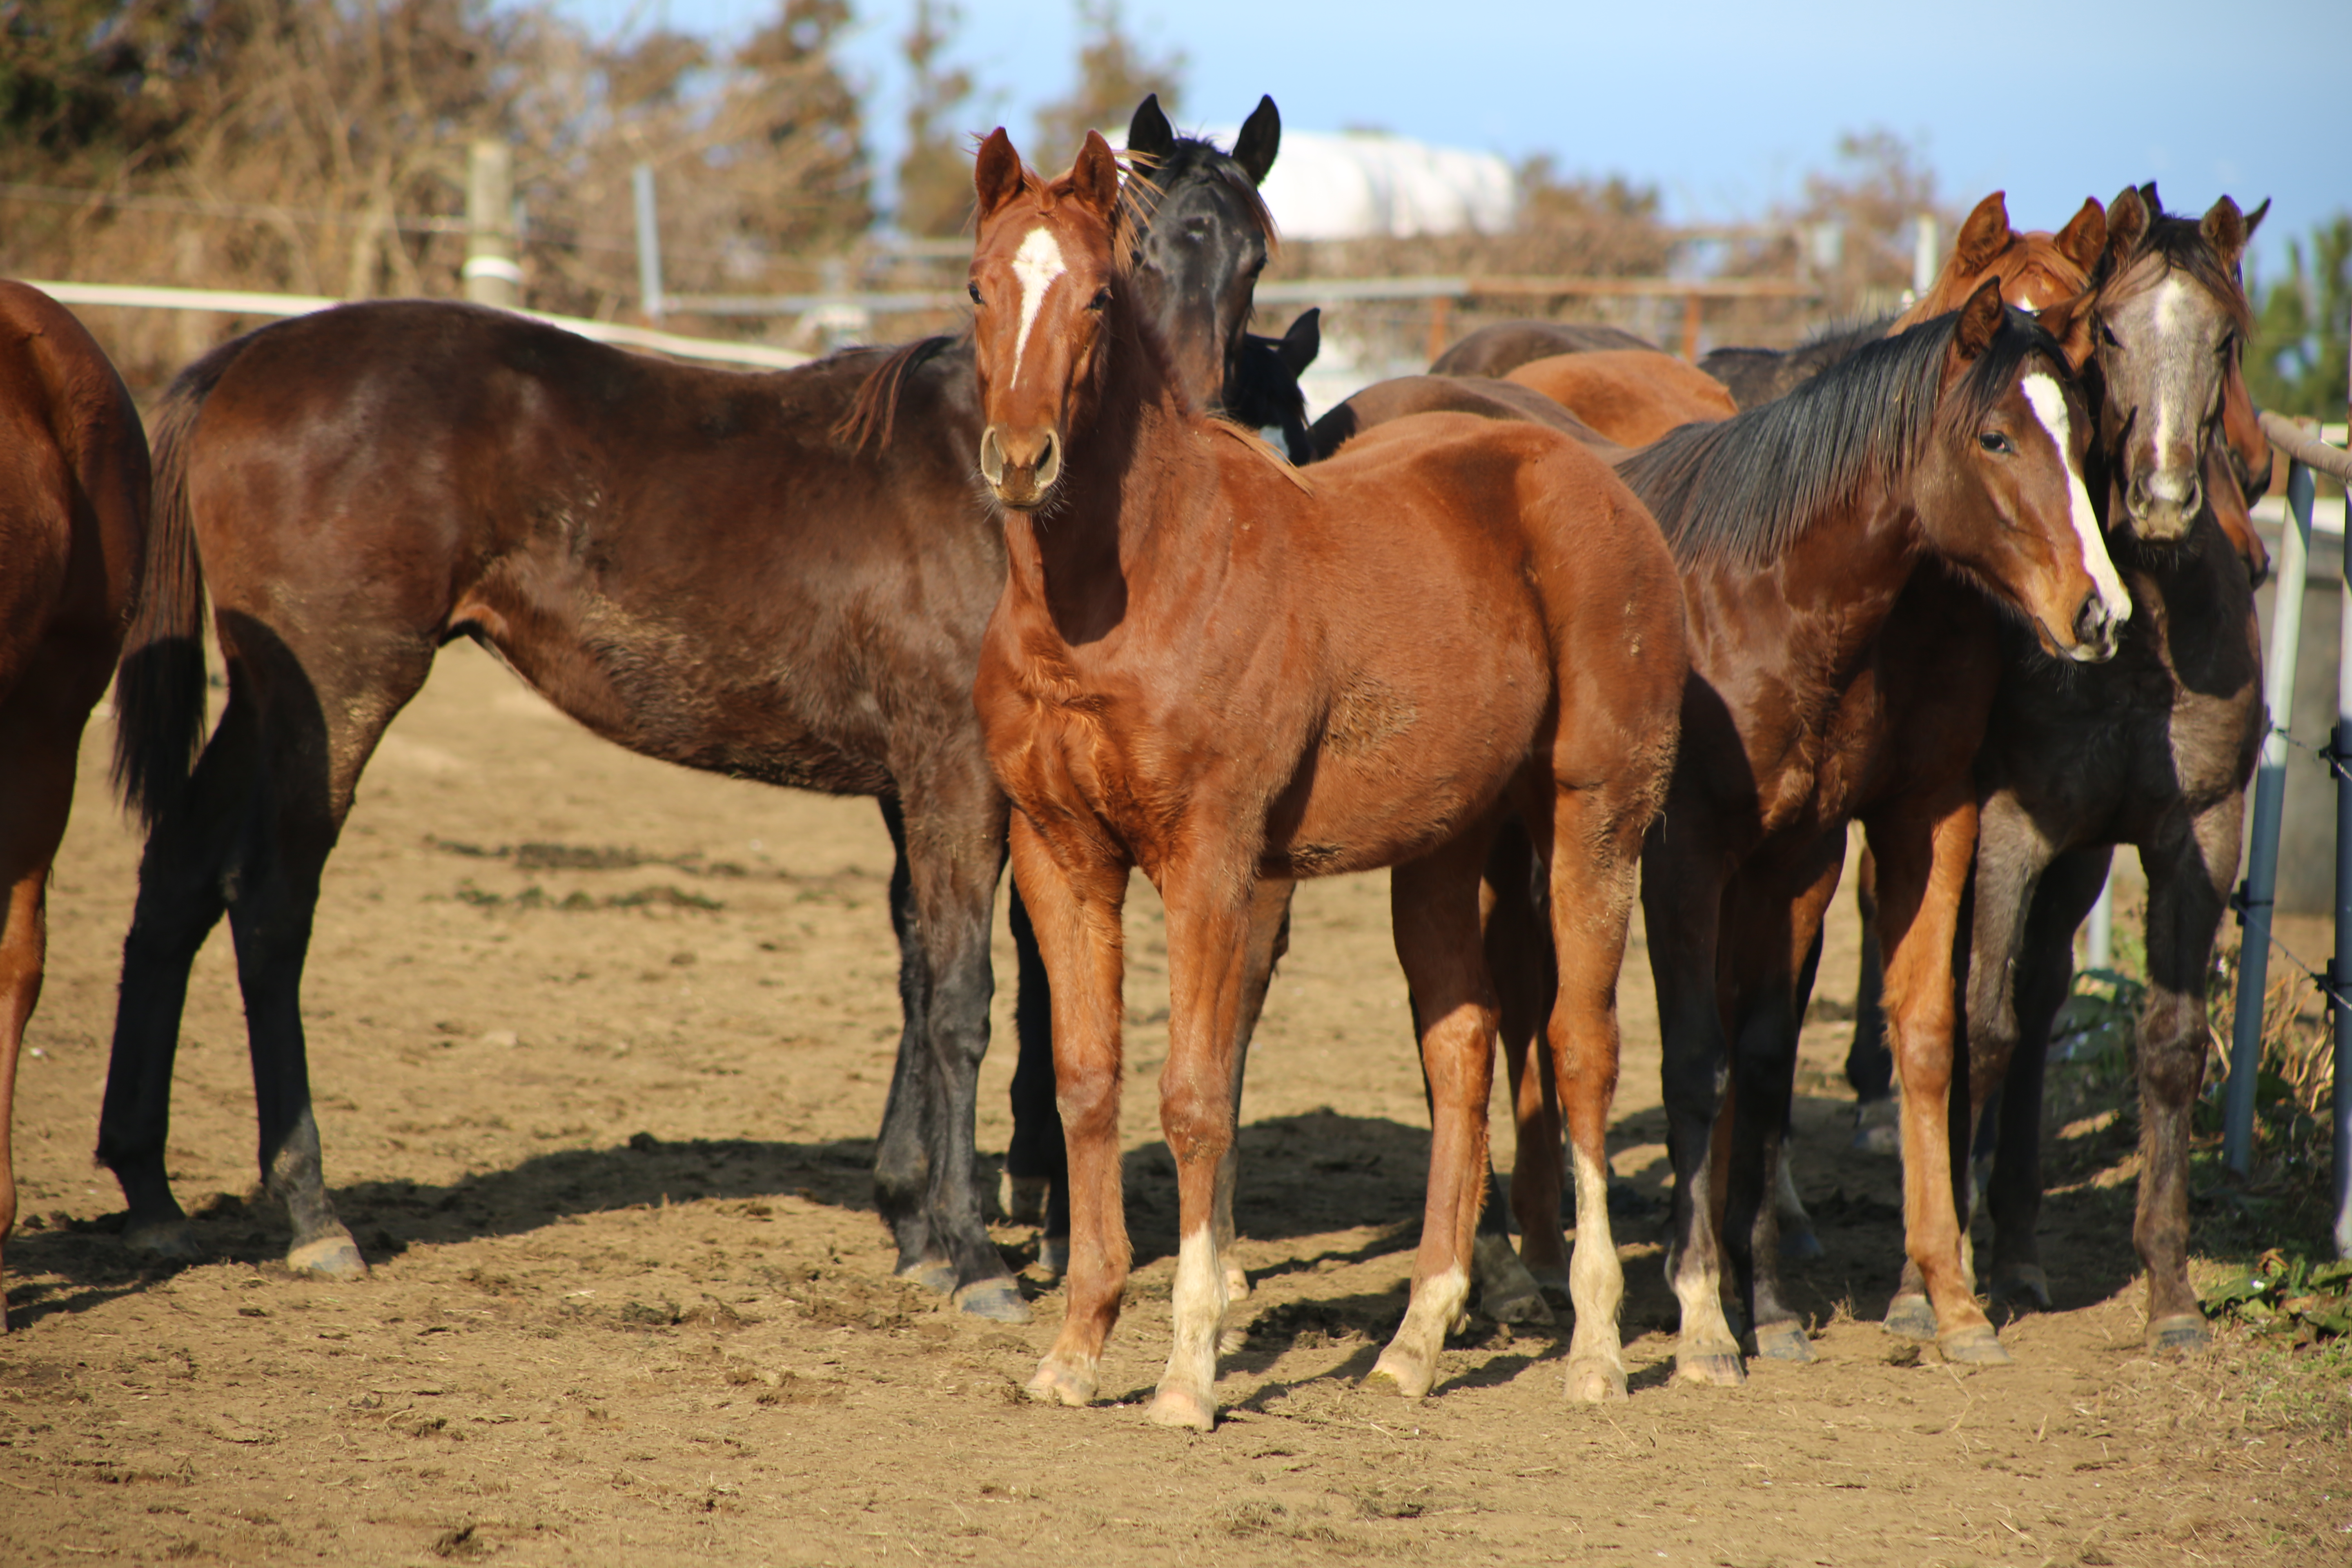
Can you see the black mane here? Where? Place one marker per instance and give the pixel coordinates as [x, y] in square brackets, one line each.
[1738, 493]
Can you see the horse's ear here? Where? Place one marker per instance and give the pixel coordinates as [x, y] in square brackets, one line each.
[1260, 139]
[996, 177]
[1094, 178]
[1303, 341]
[2069, 320]
[1148, 133]
[2254, 218]
[2084, 236]
[2155, 202]
[2225, 230]
[1981, 319]
[1985, 234]
[2128, 223]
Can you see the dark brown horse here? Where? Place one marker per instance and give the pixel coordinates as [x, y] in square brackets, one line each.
[73, 516]
[778, 576]
[1235, 676]
[1800, 525]
[2153, 750]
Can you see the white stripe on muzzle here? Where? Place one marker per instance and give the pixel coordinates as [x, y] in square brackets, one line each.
[2050, 407]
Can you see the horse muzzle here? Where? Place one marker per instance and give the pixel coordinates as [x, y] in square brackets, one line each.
[2098, 630]
[1020, 466]
[2163, 503]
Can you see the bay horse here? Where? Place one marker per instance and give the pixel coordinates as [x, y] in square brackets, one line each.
[1235, 675]
[2035, 268]
[781, 576]
[1800, 526]
[2153, 750]
[1495, 351]
[1631, 396]
[73, 518]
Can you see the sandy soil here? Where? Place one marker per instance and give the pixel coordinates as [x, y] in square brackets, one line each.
[600, 1047]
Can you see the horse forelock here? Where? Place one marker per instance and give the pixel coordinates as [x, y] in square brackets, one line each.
[2170, 244]
[1740, 492]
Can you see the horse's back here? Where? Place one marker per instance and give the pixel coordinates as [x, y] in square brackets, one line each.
[1630, 397]
[73, 496]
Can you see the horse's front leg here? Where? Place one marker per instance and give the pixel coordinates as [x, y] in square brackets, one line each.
[1925, 846]
[1434, 911]
[1074, 899]
[2189, 875]
[1219, 950]
[1267, 937]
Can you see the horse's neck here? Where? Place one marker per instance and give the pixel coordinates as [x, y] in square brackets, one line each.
[1842, 574]
[1136, 498]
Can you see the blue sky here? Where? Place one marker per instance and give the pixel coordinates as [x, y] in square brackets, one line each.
[1722, 105]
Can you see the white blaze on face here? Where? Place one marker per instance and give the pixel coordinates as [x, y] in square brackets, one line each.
[2050, 407]
[1036, 263]
[2169, 296]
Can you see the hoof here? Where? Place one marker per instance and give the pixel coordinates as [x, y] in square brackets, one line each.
[1783, 1341]
[1553, 1283]
[1713, 1369]
[1022, 1198]
[1060, 1383]
[1973, 1346]
[1173, 1406]
[1878, 1127]
[2025, 1288]
[1237, 1285]
[2184, 1336]
[1401, 1375]
[169, 1241]
[932, 1274]
[1053, 1255]
[329, 1257]
[1911, 1317]
[1506, 1291]
[1800, 1245]
[998, 1300]
[1593, 1380]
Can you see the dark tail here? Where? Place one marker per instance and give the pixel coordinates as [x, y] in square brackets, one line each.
[159, 694]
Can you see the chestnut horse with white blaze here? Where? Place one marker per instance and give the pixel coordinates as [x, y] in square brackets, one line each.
[1233, 676]
[73, 517]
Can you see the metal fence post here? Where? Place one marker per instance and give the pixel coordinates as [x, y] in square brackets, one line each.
[2254, 896]
[2340, 967]
[493, 278]
[649, 274]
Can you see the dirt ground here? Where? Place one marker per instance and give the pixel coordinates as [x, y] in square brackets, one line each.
[600, 1047]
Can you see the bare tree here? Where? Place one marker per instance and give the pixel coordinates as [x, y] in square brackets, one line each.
[1114, 74]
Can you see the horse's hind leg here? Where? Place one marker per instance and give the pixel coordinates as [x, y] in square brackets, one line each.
[324, 713]
[38, 733]
[1513, 1287]
[1596, 849]
[1433, 905]
[2189, 873]
[183, 880]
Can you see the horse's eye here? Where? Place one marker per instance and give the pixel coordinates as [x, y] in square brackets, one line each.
[1994, 441]
[973, 288]
[1101, 301]
[2107, 336]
